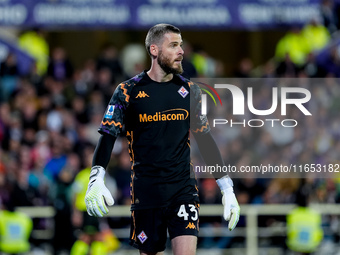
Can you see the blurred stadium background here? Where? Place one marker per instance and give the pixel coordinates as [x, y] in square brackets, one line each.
[62, 59]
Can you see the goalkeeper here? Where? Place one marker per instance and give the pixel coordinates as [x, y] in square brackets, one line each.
[152, 110]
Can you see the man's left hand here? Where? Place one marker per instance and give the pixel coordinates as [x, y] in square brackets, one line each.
[231, 210]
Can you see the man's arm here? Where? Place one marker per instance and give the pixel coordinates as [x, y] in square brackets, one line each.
[102, 153]
[97, 191]
[212, 157]
[209, 150]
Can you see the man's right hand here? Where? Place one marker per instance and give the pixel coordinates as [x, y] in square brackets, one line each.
[97, 193]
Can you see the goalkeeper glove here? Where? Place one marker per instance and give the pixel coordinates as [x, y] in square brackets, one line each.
[97, 192]
[231, 211]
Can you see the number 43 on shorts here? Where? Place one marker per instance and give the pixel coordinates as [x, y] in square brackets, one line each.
[182, 212]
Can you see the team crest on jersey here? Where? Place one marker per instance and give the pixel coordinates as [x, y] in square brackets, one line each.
[109, 112]
[183, 92]
[142, 237]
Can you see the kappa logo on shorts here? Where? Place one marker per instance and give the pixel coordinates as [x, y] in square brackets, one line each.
[142, 237]
[191, 226]
[183, 92]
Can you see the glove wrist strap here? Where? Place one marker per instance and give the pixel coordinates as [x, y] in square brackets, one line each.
[225, 183]
[97, 171]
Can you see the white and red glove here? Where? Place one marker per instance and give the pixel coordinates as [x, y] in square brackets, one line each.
[231, 210]
[97, 193]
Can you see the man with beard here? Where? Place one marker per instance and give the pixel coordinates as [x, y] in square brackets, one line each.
[152, 110]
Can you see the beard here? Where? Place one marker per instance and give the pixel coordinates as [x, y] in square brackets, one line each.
[166, 65]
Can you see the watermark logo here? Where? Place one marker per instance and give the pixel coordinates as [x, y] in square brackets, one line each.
[204, 97]
[281, 97]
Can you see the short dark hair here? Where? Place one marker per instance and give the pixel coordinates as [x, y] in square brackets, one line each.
[156, 33]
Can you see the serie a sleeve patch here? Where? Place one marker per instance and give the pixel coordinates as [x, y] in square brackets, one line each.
[109, 112]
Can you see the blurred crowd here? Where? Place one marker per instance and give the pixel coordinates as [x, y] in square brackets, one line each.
[48, 133]
[49, 120]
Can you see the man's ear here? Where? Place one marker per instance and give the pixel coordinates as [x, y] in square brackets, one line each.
[154, 50]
